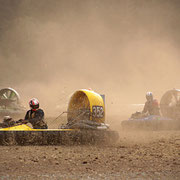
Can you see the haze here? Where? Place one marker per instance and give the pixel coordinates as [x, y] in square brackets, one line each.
[120, 48]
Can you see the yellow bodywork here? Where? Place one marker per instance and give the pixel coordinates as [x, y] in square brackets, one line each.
[24, 127]
[89, 100]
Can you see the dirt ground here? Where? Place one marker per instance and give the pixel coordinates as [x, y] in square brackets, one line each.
[136, 155]
[123, 48]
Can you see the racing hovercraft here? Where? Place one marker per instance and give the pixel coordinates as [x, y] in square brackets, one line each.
[85, 124]
[170, 111]
[10, 104]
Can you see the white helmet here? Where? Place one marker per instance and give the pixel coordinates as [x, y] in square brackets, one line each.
[149, 96]
[7, 118]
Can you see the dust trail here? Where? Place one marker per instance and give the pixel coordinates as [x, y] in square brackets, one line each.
[120, 48]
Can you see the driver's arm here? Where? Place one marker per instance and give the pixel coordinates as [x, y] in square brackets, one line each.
[26, 116]
[39, 116]
[145, 108]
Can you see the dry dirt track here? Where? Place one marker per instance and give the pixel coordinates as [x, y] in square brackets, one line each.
[137, 155]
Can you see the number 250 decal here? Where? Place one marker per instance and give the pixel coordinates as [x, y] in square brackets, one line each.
[98, 111]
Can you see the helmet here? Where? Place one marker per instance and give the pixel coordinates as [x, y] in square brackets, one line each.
[7, 119]
[149, 96]
[34, 104]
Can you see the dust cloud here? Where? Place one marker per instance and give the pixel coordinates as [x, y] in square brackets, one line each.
[120, 48]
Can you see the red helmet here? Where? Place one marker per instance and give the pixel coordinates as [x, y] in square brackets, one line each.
[34, 104]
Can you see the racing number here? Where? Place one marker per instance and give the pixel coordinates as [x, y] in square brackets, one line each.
[98, 111]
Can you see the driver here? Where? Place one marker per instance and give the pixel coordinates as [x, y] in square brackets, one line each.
[35, 115]
[7, 122]
[151, 106]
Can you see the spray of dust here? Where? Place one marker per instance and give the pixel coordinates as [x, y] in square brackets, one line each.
[121, 49]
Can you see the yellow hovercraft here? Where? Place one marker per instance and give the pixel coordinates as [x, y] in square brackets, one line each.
[85, 124]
